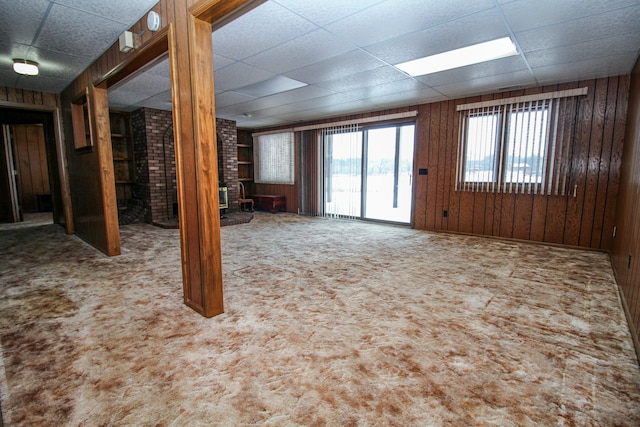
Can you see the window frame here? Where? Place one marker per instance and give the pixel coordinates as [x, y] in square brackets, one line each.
[502, 176]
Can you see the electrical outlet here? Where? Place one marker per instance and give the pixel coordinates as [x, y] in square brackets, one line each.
[445, 214]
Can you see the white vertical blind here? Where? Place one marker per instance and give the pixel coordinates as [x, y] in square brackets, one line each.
[273, 158]
[342, 171]
[512, 148]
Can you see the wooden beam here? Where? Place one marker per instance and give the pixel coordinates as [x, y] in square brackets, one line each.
[101, 132]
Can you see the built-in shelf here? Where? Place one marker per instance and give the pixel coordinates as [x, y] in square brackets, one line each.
[124, 167]
[245, 161]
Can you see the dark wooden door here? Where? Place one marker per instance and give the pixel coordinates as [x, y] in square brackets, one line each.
[31, 165]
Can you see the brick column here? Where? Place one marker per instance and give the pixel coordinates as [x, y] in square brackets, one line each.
[228, 158]
[156, 164]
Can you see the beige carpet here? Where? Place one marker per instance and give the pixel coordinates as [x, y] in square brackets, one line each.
[327, 323]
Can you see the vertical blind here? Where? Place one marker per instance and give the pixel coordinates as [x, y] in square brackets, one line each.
[516, 147]
[342, 171]
[273, 158]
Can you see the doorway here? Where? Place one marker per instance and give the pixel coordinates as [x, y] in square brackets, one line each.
[29, 175]
[368, 173]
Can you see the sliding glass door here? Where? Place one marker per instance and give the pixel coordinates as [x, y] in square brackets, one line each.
[343, 174]
[368, 173]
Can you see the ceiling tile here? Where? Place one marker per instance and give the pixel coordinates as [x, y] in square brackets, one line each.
[475, 71]
[264, 27]
[20, 20]
[351, 107]
[238, 75]
[479, 27]
[367, 78]
[487, 84]
[613, 65]
[326, 11]
[160, 69]
[59, 65]
[42, 83]
[627, 43]
[120, 98]
[580, 30]
[271, 86]
[230, 98]
[390, 19]
[528, 14]
[117, 10]
[300, 52]
[397, 86]
[77, 33]
[289, 97]
[7, 77]
[220, 61]
[407, 98]
[352, 62]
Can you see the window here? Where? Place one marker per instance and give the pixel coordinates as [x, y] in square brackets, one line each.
[513, 145]
[274, 158]
[506, 144]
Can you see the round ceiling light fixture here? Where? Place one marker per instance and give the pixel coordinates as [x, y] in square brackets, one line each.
[25, 67]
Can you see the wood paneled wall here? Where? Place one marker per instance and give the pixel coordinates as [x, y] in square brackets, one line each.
[596, 130]
[626, 245]
[25, 106]
[29, 97]
[31, 164]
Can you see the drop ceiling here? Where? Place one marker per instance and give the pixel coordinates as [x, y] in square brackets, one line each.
[333, 57]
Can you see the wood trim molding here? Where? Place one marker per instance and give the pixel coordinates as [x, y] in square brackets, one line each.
[145, 57]
[525, 98]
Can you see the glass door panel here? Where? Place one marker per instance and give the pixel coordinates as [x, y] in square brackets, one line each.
[343, 174]
[389, 169]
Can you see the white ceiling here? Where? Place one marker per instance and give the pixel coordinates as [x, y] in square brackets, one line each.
[343, 50]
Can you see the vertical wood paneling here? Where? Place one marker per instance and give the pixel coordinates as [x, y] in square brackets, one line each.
[616, 160]
[593, 162]
[421, 160]
[31, 163]
[586, 123]
[434, 170]
[604, 162]
[451, 149]
[626, 244]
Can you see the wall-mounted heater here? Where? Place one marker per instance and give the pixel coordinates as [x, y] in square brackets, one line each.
[224, 200]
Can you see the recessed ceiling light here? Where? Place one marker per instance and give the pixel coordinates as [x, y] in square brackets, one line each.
[25, 67]
[474, 54]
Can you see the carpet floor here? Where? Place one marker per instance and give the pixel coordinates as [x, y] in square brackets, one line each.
[327, 323]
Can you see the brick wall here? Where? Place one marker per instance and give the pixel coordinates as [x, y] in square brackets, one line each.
[228, 158]
[156, 167]
[155, 162]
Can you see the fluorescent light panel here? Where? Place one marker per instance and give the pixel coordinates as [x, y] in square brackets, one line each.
[272, 86]
[474, 54]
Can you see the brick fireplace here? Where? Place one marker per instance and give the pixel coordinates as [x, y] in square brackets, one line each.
[156, 166]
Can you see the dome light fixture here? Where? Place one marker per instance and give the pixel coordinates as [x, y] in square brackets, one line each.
[25, 67]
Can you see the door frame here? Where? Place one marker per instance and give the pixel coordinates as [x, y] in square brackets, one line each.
[7, 149]
[60, 161]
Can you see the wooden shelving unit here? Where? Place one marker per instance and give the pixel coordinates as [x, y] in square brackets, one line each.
[245, 160]
[124, 166]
